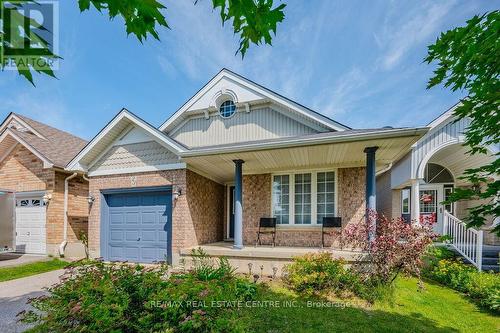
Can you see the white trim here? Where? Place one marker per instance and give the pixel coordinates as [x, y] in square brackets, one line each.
[46, 163]
[305, 141]
[7, 153]
[25, 124]
[125, 114]
[148, 168]
[260, 91]
[314, 194]
[428, 156]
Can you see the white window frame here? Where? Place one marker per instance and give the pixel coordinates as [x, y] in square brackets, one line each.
[314, 196]
[409, 201]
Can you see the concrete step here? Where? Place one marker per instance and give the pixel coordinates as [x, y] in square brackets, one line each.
[490, 261]
[494, 268]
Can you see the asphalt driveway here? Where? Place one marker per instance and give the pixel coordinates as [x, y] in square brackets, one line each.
[15, 293]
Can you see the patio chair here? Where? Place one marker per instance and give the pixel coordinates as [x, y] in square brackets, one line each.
[267, 225]
[330, 226]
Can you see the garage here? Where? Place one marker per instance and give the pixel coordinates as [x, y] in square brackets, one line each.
[30, 224]
[137, 225]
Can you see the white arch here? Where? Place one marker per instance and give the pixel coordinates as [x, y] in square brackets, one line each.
[428, 156]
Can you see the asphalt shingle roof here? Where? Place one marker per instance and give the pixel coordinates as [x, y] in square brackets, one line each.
[59, 146]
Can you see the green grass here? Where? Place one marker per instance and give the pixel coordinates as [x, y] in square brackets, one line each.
[436, 309]
[11, 273]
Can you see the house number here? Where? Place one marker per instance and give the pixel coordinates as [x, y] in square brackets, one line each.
[133, 181]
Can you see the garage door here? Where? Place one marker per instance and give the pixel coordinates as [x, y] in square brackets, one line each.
[138, 226]
[30, 225]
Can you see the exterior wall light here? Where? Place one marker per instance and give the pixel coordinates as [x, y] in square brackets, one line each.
[90, 199]
[177, 193]
[46, 198]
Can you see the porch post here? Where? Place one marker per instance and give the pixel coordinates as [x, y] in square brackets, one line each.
[238, 204]
[371, 191]
[415, 201]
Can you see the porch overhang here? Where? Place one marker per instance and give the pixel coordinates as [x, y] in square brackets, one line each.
[338, 150]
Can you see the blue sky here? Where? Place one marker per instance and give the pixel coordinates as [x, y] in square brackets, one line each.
[359, 62]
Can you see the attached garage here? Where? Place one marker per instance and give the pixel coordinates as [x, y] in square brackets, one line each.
[137, 225]
[30, 224]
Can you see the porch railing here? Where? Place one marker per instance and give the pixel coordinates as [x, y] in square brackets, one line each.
[467, 241]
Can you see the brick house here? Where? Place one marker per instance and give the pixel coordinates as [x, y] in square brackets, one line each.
[232, 154]
[33, 157]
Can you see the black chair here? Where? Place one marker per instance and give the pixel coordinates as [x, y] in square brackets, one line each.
[267, 225]
[329, 223]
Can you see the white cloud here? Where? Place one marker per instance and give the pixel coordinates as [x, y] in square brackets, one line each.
[404, 31]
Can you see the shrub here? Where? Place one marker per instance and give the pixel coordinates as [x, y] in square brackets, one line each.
[398, 246]
[482, 287]
[315, 273]
[98, 297]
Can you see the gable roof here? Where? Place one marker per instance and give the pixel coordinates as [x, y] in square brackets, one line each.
[52, 145]
[291, 105]
[111, 132]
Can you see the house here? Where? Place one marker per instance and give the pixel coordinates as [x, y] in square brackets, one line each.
[33, 157]
[233, 153]
[416, 186]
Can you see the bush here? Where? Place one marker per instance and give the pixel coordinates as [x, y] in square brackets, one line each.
[482, 287]
[99, 297]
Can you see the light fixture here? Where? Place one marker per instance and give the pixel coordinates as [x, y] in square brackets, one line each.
[46, 198]
[90, 199]
[177, 192]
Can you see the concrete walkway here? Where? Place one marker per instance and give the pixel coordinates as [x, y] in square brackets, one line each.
[16, 259]
[15, 293]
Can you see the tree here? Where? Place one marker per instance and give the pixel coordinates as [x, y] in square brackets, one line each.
[468, 59]
[254, 21]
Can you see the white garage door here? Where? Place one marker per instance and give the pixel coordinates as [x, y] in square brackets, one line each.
[30, 225]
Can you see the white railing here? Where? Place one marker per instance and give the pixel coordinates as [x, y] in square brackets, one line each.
[467, 241]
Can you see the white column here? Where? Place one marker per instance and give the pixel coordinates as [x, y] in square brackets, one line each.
[415, 200]
[238, 204]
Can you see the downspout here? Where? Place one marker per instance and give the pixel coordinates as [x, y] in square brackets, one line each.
[65, 226]
[387, 168]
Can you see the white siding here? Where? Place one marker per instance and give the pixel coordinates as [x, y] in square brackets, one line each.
[451, 131]
[135, 155]
[259, 124]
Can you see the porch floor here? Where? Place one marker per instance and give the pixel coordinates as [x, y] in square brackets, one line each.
[286, 253]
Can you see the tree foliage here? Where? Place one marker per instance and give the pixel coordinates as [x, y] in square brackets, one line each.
[468, 59]
[254, 21]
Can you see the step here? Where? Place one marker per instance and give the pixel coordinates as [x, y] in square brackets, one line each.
[490, 261]
[494, 268]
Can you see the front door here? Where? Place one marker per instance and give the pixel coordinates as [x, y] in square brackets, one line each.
[231, 212]
[430, 198]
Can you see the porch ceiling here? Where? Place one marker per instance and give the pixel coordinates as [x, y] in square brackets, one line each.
[220, 166]
[456, 159]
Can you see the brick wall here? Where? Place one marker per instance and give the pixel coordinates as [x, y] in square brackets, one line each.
[196, 215]
[205, 203]
[22, 171]
[257, 204]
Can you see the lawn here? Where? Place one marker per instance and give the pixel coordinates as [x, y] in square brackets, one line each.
[436, 309]
[11, 273]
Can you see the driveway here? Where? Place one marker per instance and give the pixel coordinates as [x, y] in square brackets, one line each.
[15, 293]
[16, 259]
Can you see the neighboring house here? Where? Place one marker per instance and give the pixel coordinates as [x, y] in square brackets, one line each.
[233, 153]
[417, 184]
[32, 161]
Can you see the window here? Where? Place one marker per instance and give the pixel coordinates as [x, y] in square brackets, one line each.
[428, 201]
[227, 109]
[303, 198]
[281, 198]
[405, 201]
[325, 203]
[448, 190]
[435, 173]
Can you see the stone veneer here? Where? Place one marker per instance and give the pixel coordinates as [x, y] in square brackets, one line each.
[257, 204]
[22, 171]
[196, 215]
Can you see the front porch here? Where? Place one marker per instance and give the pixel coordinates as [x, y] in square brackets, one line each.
[264, 259]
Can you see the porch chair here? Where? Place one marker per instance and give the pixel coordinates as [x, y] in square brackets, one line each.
[267, 225]
[329, 227]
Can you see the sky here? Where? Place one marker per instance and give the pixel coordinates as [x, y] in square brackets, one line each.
[358, 62]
